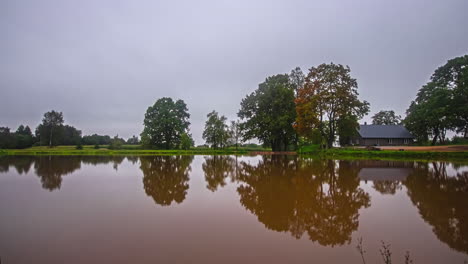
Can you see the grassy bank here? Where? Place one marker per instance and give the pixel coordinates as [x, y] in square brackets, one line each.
[309, 151]
[353, 153]
[126, 150]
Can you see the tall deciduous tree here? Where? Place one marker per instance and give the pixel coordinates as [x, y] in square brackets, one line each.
[235, 133]
[24, 137]
[328, 98]
[453, 76]
[386, 117]
[297, 78]
[165, 122]
[442, 104]
[216, 131]
[430, 114]
[268, 113]
[51, 128]
[186, 141]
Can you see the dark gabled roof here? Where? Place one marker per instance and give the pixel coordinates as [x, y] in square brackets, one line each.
[384, 131]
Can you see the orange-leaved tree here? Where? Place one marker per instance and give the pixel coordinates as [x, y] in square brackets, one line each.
[328, 104]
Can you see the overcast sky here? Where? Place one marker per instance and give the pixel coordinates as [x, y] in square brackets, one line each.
[102, 63]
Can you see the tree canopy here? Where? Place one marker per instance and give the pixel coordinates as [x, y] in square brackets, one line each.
[268, 113]
[386, 117]
[51, 129]
[165, 122]
[328, 103]
[216, 131]
[442, 104]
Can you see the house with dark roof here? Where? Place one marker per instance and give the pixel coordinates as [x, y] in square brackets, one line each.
[382, 135]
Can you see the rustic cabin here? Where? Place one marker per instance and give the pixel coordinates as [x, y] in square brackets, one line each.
[382, 135]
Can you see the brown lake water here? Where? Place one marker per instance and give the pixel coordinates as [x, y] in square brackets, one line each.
[223, 209]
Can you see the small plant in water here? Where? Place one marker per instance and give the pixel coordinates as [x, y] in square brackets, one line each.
[408, 259]
[385, 252]
[361, 250]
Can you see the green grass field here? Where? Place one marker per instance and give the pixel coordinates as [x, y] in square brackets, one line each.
[309, 151]
[353, 153]
[125, 150]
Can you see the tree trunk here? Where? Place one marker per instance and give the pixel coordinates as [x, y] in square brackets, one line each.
[50, 138]
[434, 140]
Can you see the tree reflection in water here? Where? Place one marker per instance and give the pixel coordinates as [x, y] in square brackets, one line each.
[22, 164]
[442, 201]
[217, 169]
[295, 195]
[165, 178]
[51, 169]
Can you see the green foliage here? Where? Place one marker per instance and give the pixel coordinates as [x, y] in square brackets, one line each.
[386, 117]
[347, 129]
[459, 141]
[216, 131]
[6, 138]
[20, 139]
[70, 136]
[96, 146]
[116, 143]
[269, 112]
[235, 133]
[165, 122]
[79, 146]
[296, 79]
[453, 76]
[133, 140]
[51, 129]
[186, 141]
[96, 139]
[442, 104]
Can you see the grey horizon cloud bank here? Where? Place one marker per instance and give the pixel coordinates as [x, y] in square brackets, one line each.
[102, 63]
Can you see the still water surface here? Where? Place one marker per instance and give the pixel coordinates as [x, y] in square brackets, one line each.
[223, 209]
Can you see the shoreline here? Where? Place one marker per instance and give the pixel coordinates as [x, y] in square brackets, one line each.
[338, 153]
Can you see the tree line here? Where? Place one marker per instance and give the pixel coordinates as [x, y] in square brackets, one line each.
[286, 110]
[53, 132]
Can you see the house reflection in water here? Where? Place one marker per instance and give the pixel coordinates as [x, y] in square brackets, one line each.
[386, 176]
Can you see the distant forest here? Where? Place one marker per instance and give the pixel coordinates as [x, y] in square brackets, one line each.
[284, 112]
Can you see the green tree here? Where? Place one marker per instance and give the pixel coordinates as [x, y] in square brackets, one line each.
[453, 76]
[116, 143]
[133, 140]
[51, 129]
[186, 141]
[297, 78]
[329, 96]
[216, 131]
[96, 140]
[70, 136]
[235, 133]
[430, 114]
[268, 113]
[165, 122]
[386, 117]
[7, 140]
[442, 104]
[23, 137]
[347, 129]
